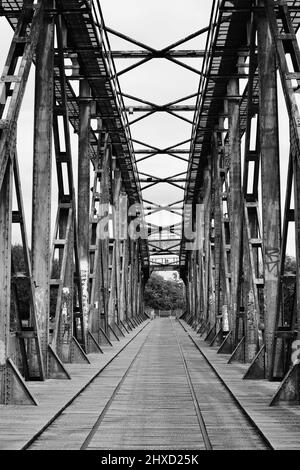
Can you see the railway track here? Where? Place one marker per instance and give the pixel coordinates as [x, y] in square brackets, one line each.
[160, 393]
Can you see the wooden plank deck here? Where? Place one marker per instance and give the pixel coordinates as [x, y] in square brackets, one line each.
[226, 424]
[280, 424]
[18, 424]
[153, 408]
[143, 400]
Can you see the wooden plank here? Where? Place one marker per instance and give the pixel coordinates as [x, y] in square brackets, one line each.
[19, 423]
[144, 400]
[280, 424]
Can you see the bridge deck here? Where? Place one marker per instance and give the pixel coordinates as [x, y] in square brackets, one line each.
[19, 423]
[158, 393]
[280, 424]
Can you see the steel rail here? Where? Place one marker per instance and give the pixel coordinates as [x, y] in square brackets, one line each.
[110, 401]
[81, 391]
[236, 401]
[201, 422]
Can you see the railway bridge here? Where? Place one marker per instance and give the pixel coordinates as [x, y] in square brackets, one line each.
[81, 364]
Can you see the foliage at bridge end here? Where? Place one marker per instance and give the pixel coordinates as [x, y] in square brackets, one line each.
[164, 294]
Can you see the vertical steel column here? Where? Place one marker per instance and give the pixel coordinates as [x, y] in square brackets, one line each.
[124, 255]
[84, 195]
[235, 199]
[95, 247]
[5, 278]
[296, 165]
[187, 287]
[270, 174]
[216, 267]
[251, 283]
[199, 258]
[139, 287]
[41, 194]
[207, 224]
[133, 279]
[192, 284]
[104, 236]
[117, 242]
[200, 267]
[112, 285]
[198, 216]
[129, 280]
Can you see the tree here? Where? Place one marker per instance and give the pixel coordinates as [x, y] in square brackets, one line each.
[162, 294]
[20, 293]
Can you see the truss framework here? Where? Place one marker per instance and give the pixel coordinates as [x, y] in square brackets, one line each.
[243, 244]
[88, 289]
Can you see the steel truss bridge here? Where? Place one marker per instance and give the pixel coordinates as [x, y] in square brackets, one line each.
[85, 289]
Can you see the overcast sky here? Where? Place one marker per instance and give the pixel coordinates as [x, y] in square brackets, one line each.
[156, 23]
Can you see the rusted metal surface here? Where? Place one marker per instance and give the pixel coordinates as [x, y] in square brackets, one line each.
[42, 176]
